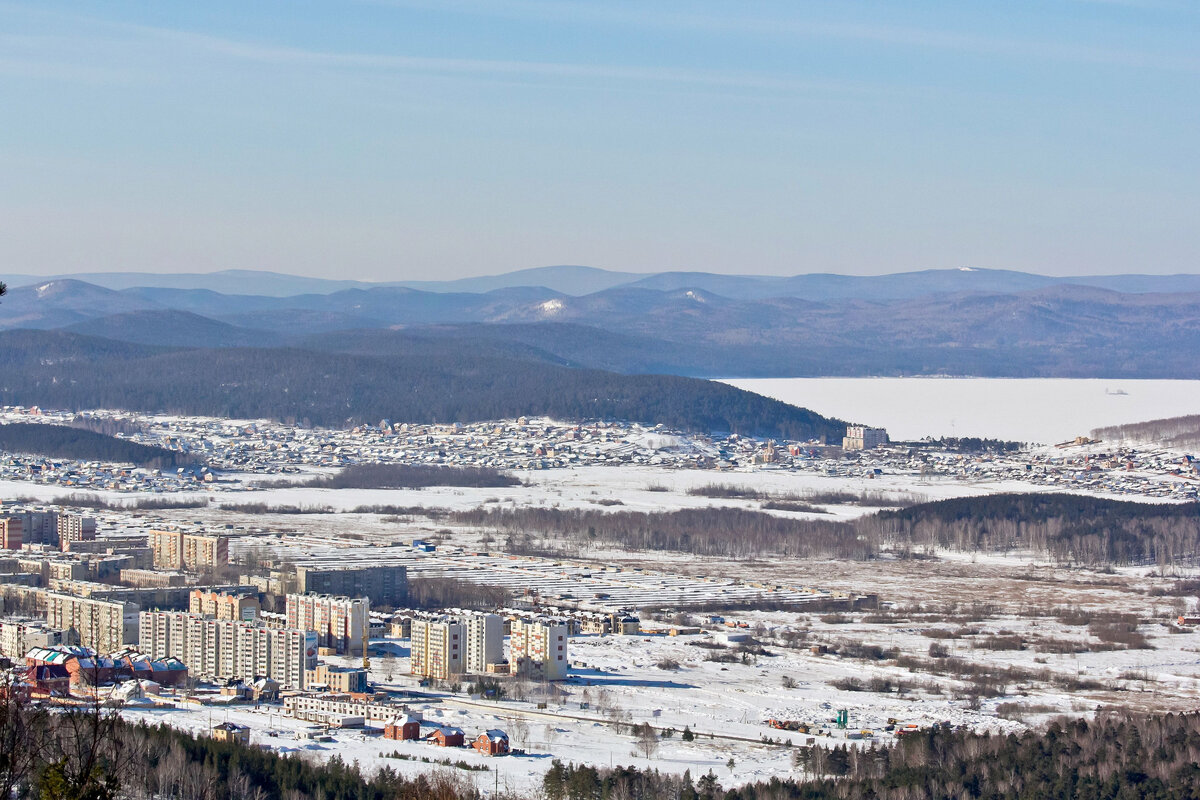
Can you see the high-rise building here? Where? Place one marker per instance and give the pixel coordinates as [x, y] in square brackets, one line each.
[73, 528]
[383, 585]
[222, 605]
[340, 622]
[103, 625]
[485, 641]
[436, 648]
[538, 649]
[859, 437]
[189, 551]
[39, 527]
[18, 637]
[227, 649]
[10, 533]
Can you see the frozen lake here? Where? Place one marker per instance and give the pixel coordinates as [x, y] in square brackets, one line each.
[1043, 410]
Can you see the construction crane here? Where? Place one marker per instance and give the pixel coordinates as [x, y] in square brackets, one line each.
[366, 644]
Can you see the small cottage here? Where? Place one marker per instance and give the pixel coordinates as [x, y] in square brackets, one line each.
[491, 743]
[405, 728]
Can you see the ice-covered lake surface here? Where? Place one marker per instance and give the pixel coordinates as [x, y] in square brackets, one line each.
[1042, 410]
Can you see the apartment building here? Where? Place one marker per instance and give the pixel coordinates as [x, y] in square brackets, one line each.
[39, 527]
[196, 552]
[538, 649]
[859, 437]
[340, 622]
[18, 637]
[223, 605]
[320, 708]
[484, 641]
[340, 680]
[103, 625]
[73, 528]
[10, 532]
[227, 649]
[383, 585]
[152, 578]
[436, 648]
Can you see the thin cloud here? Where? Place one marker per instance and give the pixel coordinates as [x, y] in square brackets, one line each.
[650, 16]
[281, 55]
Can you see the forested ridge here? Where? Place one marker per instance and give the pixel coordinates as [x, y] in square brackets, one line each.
[62, 441]
[445, 384]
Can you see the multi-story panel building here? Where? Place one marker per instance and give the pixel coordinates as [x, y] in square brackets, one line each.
[384, 585]
[485, 642]
[73, 528]
[18, 637]
[103, 625]
[337, 679]
[227, 649]
[860, 437]
[436, 648]
[538, 649]
[10, 532]
[189, 551]
[150, 578]
[340, 622]
[39, 527]
[222, 605]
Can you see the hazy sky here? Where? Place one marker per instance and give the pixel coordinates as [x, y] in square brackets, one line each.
[438, 139]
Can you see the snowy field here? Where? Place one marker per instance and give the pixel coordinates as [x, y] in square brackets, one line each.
[996, 408]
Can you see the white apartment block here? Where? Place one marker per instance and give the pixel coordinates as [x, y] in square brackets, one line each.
[436, 648]
[319, 708]
[860, 437]
[339, 622]
[538, 649]
[103, 625]
[229, 649]
[485, 641]
[18, 637]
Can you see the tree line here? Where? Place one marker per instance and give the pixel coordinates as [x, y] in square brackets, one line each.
[1071, 529]
[405, 476]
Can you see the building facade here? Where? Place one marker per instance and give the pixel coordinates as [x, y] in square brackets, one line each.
[103, 625]
[538, 649]
[859, 437]
[18, 637]
[73, 528]
[196, 552]
[436, 648]
[485, 642]
[384, 585]
[340, 622]
[222, 605]
[10, 532]
[226, 649]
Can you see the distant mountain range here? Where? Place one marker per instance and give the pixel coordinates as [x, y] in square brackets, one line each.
[577, 281]
[961, 322]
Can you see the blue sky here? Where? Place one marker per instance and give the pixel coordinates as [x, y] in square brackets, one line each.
[404, 140]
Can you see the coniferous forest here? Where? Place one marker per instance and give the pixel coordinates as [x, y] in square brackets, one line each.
[63, 441]
[438, 382]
